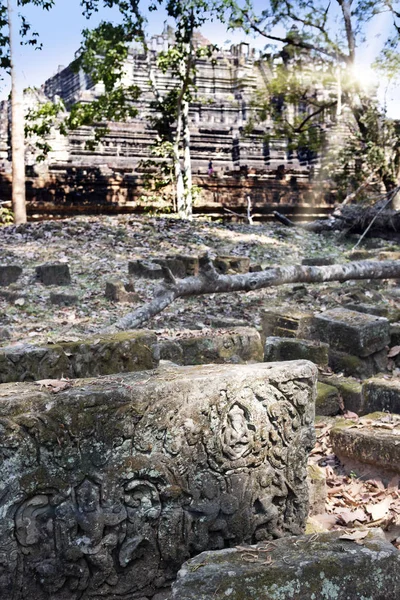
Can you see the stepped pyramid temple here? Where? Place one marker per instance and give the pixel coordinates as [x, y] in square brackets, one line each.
[249, 162]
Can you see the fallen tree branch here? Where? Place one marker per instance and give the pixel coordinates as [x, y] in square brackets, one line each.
[210, 282]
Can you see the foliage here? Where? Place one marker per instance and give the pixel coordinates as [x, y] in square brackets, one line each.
[327, 35]
[6, 216]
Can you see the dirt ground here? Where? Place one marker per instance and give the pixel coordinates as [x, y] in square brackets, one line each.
[97, 250]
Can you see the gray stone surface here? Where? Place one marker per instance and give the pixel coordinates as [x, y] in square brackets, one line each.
[278, 348]
[180, 265]
[356, 366]
[285, 321]
[381, 394]
[9, 274]
[117, 291]
[328, 402]
[349, 390]
[353, 332]
[380, 310]
[372, 448]
[317, 488]
[55, 274]
[236, 264]
[318, 567]
[145, 268]
[106, 488]
[59, 298]
[101, 355]
[237, 345]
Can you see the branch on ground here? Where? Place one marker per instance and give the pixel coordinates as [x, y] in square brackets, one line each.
[210, 282]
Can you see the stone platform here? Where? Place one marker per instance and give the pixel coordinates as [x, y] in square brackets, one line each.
[109, 486]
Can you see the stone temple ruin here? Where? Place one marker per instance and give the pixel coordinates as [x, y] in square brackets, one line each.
[258, 164]
[134, 473]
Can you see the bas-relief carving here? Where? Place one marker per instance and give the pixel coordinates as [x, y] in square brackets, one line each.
[210, 481]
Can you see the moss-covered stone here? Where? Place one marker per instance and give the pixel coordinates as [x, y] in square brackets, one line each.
[349, 390]
[352, 332]
[380, 310]
[317, 567]
[238, 345]
[101, 355]
[328, 402]
[371, 447]
[381, 395]
[356, 366]
[121, 478]
[278, 348]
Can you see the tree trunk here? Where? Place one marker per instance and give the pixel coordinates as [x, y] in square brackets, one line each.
[187, 163]
[210, 282]
[17, 124]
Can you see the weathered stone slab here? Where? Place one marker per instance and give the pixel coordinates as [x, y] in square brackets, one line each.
[285, 322]
[278, 348]
[238, 345]
[180, 265]
[117, 291]
[380, 310]
[106, 488]
[102, 355]
[328, 402]
[353, 332]
[381, 395]
[370, 447]
[145, 268]
[318, 567]
[356, 366]
[236, 264]
[395, 334]
[9, 274]
[57, 274]
[349, 389]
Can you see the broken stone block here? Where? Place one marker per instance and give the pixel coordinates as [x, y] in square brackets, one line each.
[319, 261]
[362, 254]
[57, 274]
[285, 322]
[111, 484]
[278, 348]
[255, 268]
[389, 255]
[355, 366]
[381, 395]
[101, 355]
[328, 402]
[349, 390]
[371, 448]
[238, 264]
[382, 310]
[63, 299]
[180, 265]
[240, 344]
[318, 567]
[116, 291]
[9, 274]
[317, 488]
[352, 332]
[145, 268]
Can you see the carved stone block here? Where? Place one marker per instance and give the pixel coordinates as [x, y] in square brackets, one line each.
[108, 487]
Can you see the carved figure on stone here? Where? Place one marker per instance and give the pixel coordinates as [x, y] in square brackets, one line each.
[272, 490]
[237, 437]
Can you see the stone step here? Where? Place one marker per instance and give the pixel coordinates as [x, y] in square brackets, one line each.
[316, 567]
[371, 447]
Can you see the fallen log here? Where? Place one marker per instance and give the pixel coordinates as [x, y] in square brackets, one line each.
[210, 282]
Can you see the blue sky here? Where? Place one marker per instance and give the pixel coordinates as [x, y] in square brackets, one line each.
[60, 32]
